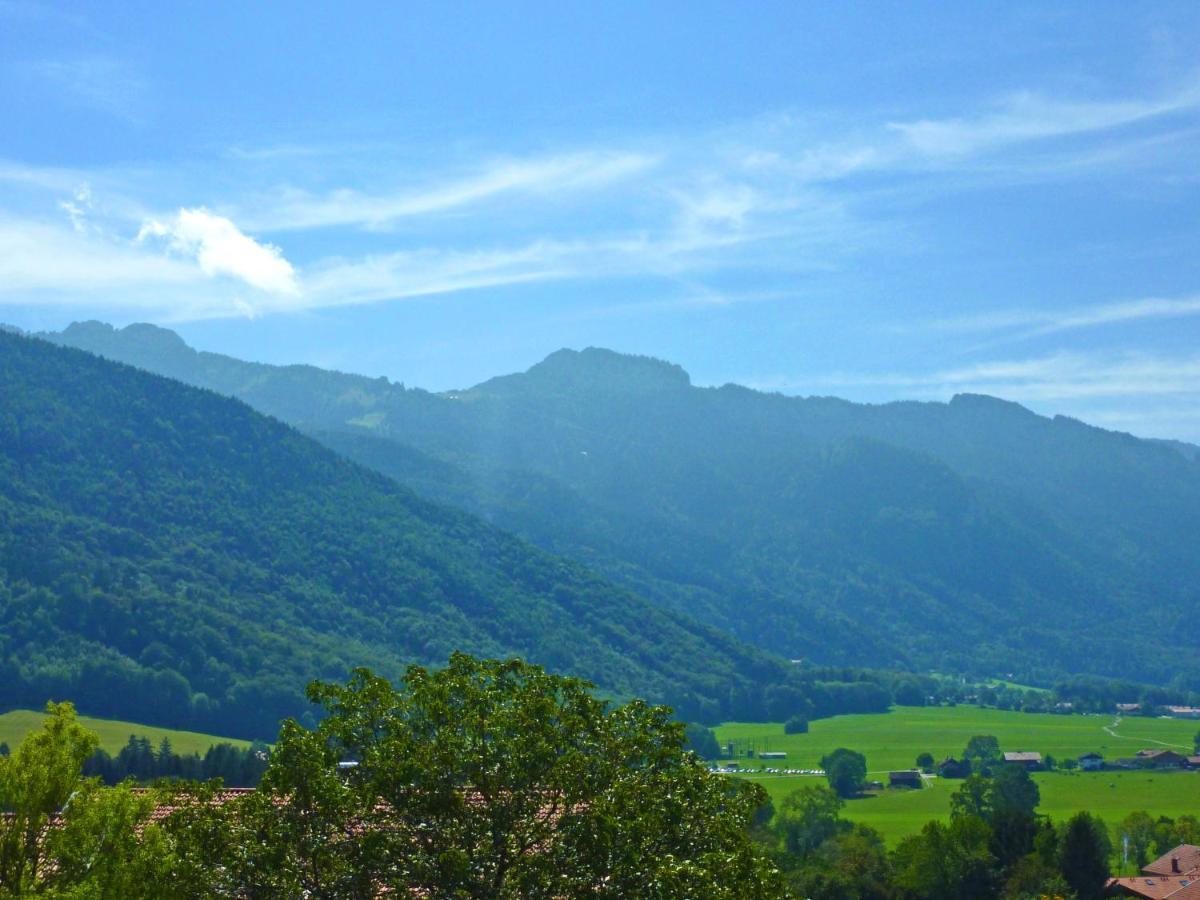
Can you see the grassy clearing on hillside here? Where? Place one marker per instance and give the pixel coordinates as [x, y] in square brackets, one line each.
[893, 740]
[114, 734]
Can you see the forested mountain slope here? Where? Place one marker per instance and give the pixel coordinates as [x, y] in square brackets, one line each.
[966, 536]
[168, 555]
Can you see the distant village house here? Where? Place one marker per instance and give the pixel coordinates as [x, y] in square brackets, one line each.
[908, 778]
[1027, 758]
[1091, 762]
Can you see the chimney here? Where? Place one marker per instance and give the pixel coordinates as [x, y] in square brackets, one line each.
[1174, 865]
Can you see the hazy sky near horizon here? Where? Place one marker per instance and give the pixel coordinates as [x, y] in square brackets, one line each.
[884, 201]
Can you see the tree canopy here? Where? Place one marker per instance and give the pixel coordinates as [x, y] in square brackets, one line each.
[846, 771]
[483, 779]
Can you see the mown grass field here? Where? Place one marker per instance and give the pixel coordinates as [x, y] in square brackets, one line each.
[114, 734]
[893, 740]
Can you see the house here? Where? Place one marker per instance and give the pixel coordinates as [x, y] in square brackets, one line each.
[1155, 887]
[1193, 762]
[1160, 759]
[1184, 712]
[1182, 860]
[1026, 758]
[1091, 762]
[953, 768]
[1173, 876]
[908, 778]
[1129, 708]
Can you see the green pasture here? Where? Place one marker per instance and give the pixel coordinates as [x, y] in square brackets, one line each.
[893, 740]
[114, 734]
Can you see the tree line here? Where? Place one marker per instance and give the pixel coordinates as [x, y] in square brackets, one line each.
[495, 779]
[140, 761]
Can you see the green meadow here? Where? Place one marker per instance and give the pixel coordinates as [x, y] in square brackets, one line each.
[114, 734]
[893, 741]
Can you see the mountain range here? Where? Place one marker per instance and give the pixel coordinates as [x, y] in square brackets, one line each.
[971, 537]
[169, 555]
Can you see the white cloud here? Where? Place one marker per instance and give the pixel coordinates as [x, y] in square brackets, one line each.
[78, 207]
[35, 257]
[1028, 117]
[295, 210]
[221, 248]
[1033, 322]
[1059, 376]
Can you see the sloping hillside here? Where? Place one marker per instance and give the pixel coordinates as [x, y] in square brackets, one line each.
[168, 555]
[966, 536]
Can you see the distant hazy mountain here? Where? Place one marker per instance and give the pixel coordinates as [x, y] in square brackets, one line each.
[169, 555]
[969, 536]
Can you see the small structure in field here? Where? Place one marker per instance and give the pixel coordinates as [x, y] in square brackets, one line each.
[908, 778]
[1161, 759]
[953, 768]
[1091, 762]
[1028, 758]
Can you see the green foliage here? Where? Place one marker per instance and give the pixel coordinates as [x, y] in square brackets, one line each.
[982, 751]
[35, 783]
[807, 818]
[105, 849]
[1084, 852]
[701, 741]
[911, 535]
[484, 778]
[852, 864]
[946, 862]
[137, 760]
[64, 835]
[168, 555]
[846, 771]
[1138, 831]
[925, 761]
[796, 725]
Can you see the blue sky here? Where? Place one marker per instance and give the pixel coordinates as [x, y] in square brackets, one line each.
[888, 201]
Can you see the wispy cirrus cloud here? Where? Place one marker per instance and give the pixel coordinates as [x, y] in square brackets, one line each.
[779, 198]
[291, 209]
[1025, 323]
[105, 83]
[1029, 116]
[1053, 377]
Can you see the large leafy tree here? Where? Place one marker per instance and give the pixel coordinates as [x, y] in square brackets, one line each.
[808, 817]
[64, 835]
[846, 771]
[1138, 829]
[482, 779]
[981, 752]
[946, 862]
[35, 783]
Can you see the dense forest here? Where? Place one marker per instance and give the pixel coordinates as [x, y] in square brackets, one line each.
[972, 537]
[168, 555]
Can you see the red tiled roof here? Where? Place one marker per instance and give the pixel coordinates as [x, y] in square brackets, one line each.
[1187, 857]
[1152, 887]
